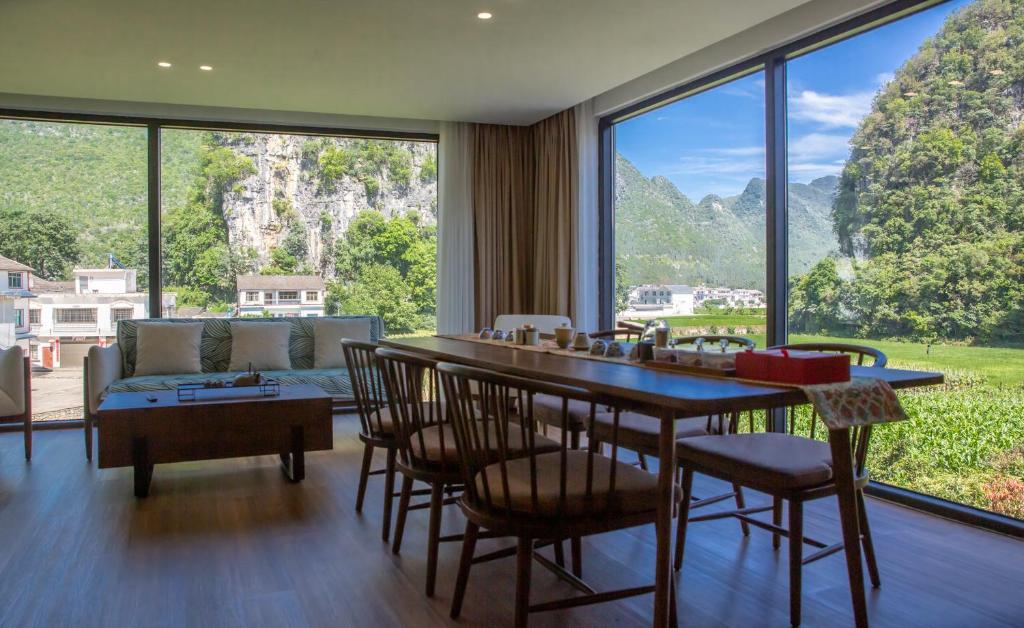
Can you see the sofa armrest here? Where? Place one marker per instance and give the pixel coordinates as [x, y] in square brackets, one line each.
[102, 368]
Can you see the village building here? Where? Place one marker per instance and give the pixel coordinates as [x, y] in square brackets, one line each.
[280, 295]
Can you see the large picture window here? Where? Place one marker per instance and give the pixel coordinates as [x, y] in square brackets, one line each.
[903, 225]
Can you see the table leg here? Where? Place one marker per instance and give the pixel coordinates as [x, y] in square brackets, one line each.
[846, 492]
[663, 527]
[293, 463]
[143, 467]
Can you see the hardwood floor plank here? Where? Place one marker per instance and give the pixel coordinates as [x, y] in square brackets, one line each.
[231, 543]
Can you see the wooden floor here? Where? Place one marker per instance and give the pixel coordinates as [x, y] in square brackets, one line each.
[230, 543]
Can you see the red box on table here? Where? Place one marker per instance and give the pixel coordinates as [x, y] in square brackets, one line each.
[793, 367]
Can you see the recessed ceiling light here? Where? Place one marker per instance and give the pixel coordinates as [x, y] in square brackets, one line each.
[206, 68]
[164, 64]
[484, 15]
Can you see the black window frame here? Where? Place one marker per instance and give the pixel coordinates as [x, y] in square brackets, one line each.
[155, 125]
[773, 64]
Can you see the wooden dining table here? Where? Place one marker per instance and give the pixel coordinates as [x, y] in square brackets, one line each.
[666, 396]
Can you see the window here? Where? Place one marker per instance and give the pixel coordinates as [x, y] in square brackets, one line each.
[14, 280]
[312, 295]
[297, 206]
[121, 314]
[690, 206]
[77, 316]
[903, 223]
[35, 317]
[83, 283]
[907, 159]
[252, 296]
[19, 318]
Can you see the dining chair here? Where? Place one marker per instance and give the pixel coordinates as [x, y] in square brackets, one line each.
[540, 495]
[16, 392]
[376, 424]
[798, 470]
[629, 334]
[426, 445]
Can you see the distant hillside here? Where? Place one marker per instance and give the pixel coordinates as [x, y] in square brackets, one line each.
[661, 236]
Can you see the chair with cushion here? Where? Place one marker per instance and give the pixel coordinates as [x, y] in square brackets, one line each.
[376, 426]
[426, 444]
[798, 470]
[535, 494]
[16, 392]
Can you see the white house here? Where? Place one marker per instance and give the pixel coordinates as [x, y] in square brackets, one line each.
[662, 300]
[280, 295]
[89, 307]
[14, 295]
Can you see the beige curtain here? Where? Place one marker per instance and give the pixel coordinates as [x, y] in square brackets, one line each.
[524, 191]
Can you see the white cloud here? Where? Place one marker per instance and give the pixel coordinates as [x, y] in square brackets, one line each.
[739, 151]
[830, 110]
[817, 145]
[884, 78]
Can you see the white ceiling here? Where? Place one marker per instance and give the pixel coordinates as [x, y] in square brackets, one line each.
[425, 59]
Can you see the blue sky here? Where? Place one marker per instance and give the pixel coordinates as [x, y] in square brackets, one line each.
[713, 143]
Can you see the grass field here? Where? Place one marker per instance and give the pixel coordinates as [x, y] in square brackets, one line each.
[964, 440]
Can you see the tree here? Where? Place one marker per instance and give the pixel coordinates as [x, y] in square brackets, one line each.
[816, 300]
[45, 240]
[621, 288]
[380, 291]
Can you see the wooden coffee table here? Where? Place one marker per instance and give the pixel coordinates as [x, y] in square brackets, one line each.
[141, 429]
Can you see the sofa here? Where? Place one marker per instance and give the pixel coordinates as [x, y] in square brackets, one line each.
[112, 369]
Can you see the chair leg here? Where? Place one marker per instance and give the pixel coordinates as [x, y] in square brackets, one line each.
[673, 612]
[434, 535]
[403, 510]
[88, 435]
[776, 520]
[869, 546]
[741, 504]
[364, 475]
[576, 547]
[796, 547]
[28, 436]
[684, 514]
[574, 439]
[559, 553]
[465, 563]
[389, 493]
[524, 560]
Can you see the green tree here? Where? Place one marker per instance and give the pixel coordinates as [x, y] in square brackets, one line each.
[381, 291]
[45, 240]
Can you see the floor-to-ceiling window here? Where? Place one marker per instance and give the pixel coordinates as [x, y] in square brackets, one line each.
[73, 201]
[690, 211]
[904, 218]
[909, 164]
[273, 224]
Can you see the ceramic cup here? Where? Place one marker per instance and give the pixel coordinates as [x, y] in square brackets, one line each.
[614, 350]
[485, 333]
[598, 348]
[498, 335]
[564, 336]
[581, 341]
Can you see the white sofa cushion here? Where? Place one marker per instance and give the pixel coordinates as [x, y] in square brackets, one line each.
[12, 382]
[264, 346]
[168, 348]
[327, 335]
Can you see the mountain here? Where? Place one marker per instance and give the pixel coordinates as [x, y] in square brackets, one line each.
[931, 198]
[96, 176]
[661, 236]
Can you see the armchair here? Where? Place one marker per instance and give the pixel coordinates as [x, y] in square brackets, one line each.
[16, 392]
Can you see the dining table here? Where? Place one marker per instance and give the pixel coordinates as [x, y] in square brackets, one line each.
[665, 396]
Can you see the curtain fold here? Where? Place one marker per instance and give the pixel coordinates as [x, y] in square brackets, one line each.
[524, 209]
[586, 286]
[455, 283]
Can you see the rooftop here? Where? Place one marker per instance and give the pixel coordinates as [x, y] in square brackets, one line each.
[280, 282]
[7, 263]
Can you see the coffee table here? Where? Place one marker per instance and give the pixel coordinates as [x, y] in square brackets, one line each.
[141, 429]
